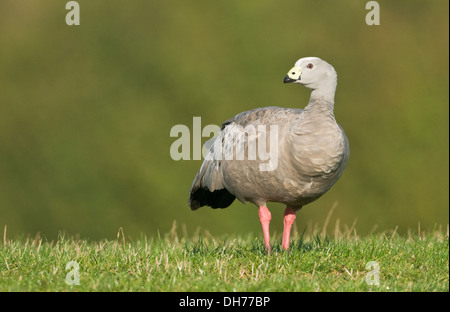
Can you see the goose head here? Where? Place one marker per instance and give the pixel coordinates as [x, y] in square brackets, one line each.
[312, 72]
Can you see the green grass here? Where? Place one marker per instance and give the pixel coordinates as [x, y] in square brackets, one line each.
[315, 262]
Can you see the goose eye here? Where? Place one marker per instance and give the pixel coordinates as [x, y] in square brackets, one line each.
[310, 66]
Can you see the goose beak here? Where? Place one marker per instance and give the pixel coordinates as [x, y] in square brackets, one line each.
[287, 79]
[294, 74]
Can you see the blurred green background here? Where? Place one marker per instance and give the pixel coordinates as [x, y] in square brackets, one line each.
[86, 111]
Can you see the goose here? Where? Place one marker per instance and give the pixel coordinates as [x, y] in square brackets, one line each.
[311, 152]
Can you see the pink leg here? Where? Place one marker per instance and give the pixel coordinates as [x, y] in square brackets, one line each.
[264, 217]
[289, 218]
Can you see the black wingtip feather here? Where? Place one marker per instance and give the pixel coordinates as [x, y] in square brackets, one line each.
[215, 199]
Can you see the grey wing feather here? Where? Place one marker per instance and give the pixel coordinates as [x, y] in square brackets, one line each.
[207, 188]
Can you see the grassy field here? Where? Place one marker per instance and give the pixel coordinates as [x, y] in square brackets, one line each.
[417, 261]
